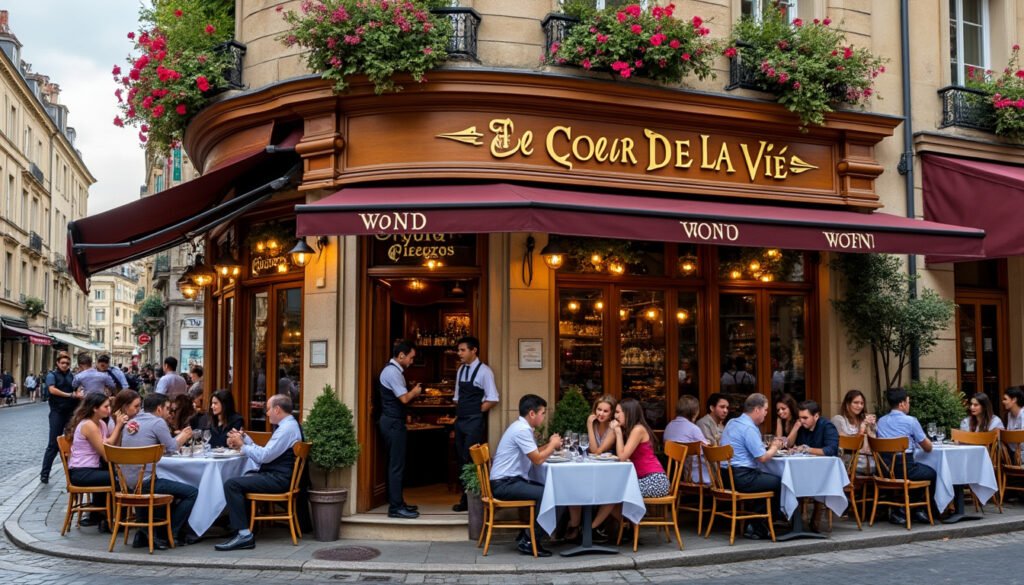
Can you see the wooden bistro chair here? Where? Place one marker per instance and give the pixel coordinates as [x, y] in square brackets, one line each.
[669, 517]
[128, 496]
[481, 455]
[1011, 469]
[287, 498]
[733, 500]
[688, 488]
[886, 453]
[990, 441]
[259, 437]
[76, 502]
[850, 446]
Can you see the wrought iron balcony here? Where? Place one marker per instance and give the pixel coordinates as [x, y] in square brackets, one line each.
[233, 73]
[742, 74]
[60, 263]
[966, 108]
[37, 172]
[556, 27]
[162, 264]
[465, 22]
[35, 242]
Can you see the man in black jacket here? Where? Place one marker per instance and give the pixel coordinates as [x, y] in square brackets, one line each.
[63, 402]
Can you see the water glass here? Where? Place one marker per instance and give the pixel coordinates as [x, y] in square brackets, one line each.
[584, 444]
[933, 430]
[940, 435]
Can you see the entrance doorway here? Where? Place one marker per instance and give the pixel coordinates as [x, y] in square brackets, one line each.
[433, 313]
[981, 334]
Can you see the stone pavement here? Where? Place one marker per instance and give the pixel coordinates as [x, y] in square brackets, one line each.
[35, 523]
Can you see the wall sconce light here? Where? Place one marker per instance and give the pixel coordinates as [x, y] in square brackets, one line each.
[200, 273]
[553, 254]
[227, 265]
[301, 254]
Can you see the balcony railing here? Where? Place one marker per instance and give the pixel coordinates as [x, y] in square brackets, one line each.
[465, 21]
[966, 108]
[162, 264]
[35, 242]
[60, 263]
[742, 74]
[556, 26]
[233, 74]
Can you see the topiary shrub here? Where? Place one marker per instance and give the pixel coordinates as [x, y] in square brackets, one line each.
[571, 413]
[935, 401]
[329, 427]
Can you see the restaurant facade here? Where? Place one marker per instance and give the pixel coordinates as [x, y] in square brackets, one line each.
[610, 237]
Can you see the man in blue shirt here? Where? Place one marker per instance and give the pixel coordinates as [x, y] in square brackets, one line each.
[276, 461]
[900, 424]
[744, 436]
[171, 383]
[817, 435]
[90, 380]
[103, 365]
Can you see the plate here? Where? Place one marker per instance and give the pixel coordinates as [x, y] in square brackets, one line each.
[557, 459]
[224, 454]
[603, 457]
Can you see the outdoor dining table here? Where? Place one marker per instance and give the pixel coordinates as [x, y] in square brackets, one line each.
[589, 483]
[208, 475]
[956, 466]
[803, 476]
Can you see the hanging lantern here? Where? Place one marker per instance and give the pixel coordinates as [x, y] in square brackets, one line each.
[187, 288]
[652, 314]
[228, 267]
[623, 314]
[301, 253]
[599, 306]
[201, 273]
[687, 265]
[553, 254]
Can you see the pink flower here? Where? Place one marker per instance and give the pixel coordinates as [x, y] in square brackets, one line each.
[554, 47]
[618, 65]
[686, 57]
[116, 71]
[144, 128]
[586, 64]
[796, 85]
[1016, 47]
[626, 72]
[638, 63]
[658, 13]
[158, 110]
[147, 103]
[428, 50]
[340, 15]
[798, 22]
[602, 38]
[202, 83]
[674, 43]
[142, 137]
[181, 109]
[352, 39]
[118, 122]
[783, 77]
[1020, 73]
[847, 52]
[621, 16]
[817, 21]
[210, 29]
[783, 45]
[634, 10]
[729, 52]
[636, 29]
[827, 21]
[657, 39]
[697, 21]
[131, 36]
[178, 13]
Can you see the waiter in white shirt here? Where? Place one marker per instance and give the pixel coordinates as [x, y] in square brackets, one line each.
[475, 394]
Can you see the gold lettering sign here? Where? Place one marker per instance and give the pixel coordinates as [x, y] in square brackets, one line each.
[850, 240]
[568, 147]
[425, 246]
[710, 231]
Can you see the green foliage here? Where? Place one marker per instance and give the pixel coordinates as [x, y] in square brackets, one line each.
[34, 306]
[571, 413]
[173, 66]
[376, 38]
[470, 479]
[808, 66]
[1004, 96]
[631, 41]
[329, 427]
[579, 9]
[932, 401]
[150, 310]
[879, 313]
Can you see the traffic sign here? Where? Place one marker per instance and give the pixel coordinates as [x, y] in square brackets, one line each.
[144, 339]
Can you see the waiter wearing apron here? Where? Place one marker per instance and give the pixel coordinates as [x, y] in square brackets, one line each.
[394, 395]
[475, 394]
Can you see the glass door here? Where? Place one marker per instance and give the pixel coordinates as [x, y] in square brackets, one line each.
[288, 346]
[581, 341]
[981, 345]
[642, 351]
[259, 312]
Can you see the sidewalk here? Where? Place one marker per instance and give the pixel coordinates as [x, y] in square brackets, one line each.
[35, 525]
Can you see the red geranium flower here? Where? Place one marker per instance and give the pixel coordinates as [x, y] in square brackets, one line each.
[209, 29]
[178, 13]
[116, 71]
[202, 83]
[118, 122]
[181, 109]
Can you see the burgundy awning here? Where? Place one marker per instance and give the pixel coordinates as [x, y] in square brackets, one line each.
[166, 219]
[984, 195]
[517, 208]
[35, 337]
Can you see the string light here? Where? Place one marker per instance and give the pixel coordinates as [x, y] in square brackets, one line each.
[573, 306]
[682, 315]
[616, 268]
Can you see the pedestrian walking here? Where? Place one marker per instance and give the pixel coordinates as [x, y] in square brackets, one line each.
[64, 400]
[31, 386]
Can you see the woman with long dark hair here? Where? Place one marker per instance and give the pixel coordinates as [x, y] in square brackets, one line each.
[180, 413]
[786, 423]
[223, 418]
[88, 434]
[980, 416]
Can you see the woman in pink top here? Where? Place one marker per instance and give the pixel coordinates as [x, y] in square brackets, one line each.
[88, 434]
[635, 441]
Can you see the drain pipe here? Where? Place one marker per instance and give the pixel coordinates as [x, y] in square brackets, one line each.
[906, 164]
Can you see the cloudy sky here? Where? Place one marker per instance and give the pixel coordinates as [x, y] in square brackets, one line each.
[76, 43]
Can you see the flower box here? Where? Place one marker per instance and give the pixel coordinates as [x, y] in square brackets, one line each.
[465, 22]
[556, 27]
[966, 108]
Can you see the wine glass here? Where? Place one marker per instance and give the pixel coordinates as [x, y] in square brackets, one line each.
[940, 435]
[584, 444]
[933, 430]
[768, 439]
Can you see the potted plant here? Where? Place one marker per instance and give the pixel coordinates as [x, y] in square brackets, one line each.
[376, 38]
[471, 481]
[1004, 96]
[935, 401]
[178, 61]
[329, 427]
[571, 413]
[633, 42]
[808, 66]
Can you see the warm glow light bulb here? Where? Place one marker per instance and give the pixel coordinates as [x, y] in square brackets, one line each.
[735, 273]
[616, 268]
[260, 246]
[767, 278]
[282, 268]
[652, 314]
[595, 258]
[682, 315]
[773, 253]
[573, 306]
[554, 261]
[754, 266]
[599, 306]
[687, 266]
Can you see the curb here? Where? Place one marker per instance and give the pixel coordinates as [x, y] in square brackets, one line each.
[659, 560]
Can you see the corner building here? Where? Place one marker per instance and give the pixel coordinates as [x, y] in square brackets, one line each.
[699, 223]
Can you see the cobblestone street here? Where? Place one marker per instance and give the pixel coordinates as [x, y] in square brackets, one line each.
[946, 561]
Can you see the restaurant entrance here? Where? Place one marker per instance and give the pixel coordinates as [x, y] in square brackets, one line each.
[982, 339]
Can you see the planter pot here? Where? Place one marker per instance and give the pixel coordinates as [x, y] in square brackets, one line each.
[326, 506]
[476, 515]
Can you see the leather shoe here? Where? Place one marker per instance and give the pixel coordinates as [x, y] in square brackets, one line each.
[141, 541]
[237, 543]
[89, 520]
[188, 538]
[44, 478]
[524, 547]
[411, 508]
[404, 513]
[897, 518]
[460, 507]
[920, 516]
[104, 527]
[599, 536]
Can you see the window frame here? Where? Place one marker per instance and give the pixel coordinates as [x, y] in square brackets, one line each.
[792, 6]
[986, 38]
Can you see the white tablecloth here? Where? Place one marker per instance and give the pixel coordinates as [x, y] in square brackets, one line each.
[587, 484]
[823, 478]
[959, 465]
[208, 475]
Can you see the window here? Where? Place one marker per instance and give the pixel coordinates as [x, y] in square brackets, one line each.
[24, 208]
[12, 123]
[99, 294]
[101, 314]
[7, 275]
[968, 38]
[117, 312]
[32, 284]
[100, 335]
[755, 8]
[46, 288]
[117, 336]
